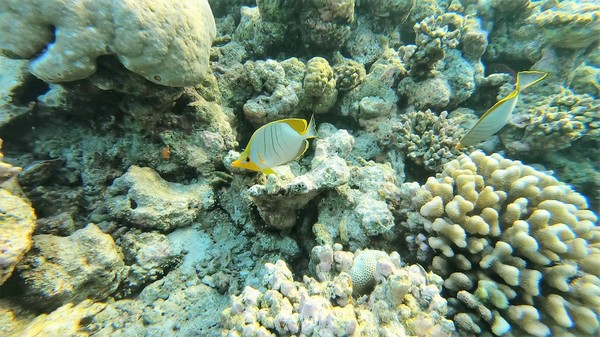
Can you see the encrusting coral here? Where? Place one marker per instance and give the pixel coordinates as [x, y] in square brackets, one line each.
[400, 301]
[166, 42]
[518, 249]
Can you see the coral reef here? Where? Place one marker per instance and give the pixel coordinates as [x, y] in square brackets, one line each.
[177, 304]
[152, 104]
[166, 43]
[374, 97]
[58, 270]
[405, 301]
[143, 199]
[347, 73]
[517, 248]
[13, 84]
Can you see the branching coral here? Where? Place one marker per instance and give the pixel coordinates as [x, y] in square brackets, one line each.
[519, 250]
[432, 38]
[427, 139]
[347, 73]
[570, 24]
[405, 301]
[554, 123]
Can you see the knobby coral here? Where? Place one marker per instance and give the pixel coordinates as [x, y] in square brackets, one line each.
[519, 250]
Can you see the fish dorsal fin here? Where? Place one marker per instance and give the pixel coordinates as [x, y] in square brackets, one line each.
[302, 149]
[526, 79]
[299, 125]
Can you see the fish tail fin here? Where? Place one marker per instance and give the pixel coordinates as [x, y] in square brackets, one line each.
[311, 130]
[526, 79]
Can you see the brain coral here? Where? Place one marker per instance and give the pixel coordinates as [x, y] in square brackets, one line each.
[167, 42]
[519, 250]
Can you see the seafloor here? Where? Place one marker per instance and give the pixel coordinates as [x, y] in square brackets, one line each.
[121, 215]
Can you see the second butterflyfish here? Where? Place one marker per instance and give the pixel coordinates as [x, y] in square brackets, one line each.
[276, 143]
[498, 115]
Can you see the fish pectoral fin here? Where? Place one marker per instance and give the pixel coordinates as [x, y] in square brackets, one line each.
[302, 149]
[268, 171]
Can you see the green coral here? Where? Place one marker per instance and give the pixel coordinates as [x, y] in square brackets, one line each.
[519, 249]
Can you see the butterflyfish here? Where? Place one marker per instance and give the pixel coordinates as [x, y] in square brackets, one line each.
[275, 144]
[498, 115]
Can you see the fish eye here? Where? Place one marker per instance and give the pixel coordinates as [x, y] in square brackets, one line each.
[247, 159]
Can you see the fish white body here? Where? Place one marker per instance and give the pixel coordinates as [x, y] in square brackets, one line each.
[275, 144]
[498, 115]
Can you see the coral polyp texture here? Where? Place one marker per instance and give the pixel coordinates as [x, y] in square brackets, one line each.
[570, 24]
[428, 140]
[399, 301]
[519, 250]
[167, 42]
[554, 123]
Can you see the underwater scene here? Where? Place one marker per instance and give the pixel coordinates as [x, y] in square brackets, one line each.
[316, 168]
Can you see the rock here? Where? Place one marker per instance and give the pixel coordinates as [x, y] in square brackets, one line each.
[59, 270]
[148, 256]
[68, 320]
[17, 221]
[143, 199]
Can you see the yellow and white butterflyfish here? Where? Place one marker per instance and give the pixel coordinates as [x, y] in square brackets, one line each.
[498, 115]
[275, 144]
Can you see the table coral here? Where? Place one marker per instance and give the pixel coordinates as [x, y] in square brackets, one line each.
[168, 43]
[518, 248]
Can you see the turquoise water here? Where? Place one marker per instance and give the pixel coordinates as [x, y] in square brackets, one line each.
[452, 188]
